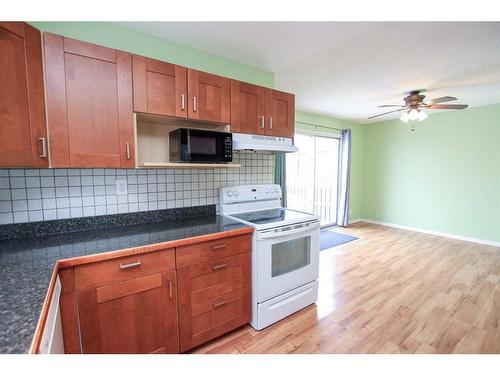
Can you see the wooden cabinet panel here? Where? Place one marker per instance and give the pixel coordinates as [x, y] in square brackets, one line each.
[89, 104]
[280, 113]
[124, 268]
[137, 315]
[214, 298]
[211, 250]
[209, 97]
[248, 108]
[160, 88]
[22, 103]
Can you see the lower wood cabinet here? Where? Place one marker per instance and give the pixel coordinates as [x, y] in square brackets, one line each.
[214, 296]
[134, 313]
[143, 304]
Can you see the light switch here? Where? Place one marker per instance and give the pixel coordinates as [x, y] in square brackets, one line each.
[121, 187]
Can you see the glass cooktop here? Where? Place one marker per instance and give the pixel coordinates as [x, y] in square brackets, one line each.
[274, 215]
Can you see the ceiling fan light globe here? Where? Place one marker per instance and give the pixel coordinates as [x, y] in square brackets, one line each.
[405, 117]
[422, 116]
[413, 114]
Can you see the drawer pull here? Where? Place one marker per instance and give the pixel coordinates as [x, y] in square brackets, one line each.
[218, 247]
[221, 303]
[219, 266]
[130, 265]
[170, 293]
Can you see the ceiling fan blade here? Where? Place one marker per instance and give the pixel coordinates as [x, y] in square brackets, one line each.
[447, 106]
[443, 99]
[392, 105]
[386, 113]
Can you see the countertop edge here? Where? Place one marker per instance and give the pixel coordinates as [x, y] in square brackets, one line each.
[76, 261]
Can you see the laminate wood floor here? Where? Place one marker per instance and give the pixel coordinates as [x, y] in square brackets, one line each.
[390, 291]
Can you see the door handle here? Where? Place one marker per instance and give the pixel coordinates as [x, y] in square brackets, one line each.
[195, 104]
[219, 266]
[183, 102]
[43, 144]
[221, 303]
[130, 265]
[127, 150]
[170, 289]
[263, 122]
[270, 122]
[218, 247]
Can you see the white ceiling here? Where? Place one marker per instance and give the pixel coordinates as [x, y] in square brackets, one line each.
[346, 69]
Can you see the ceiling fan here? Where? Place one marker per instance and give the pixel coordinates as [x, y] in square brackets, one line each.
[414, 105]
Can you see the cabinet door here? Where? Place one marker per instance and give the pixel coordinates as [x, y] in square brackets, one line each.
[248, 108]
[209, 97]
[23, 135]
[132, 316]
[214, 298]
[280, 113]
[159, 87]
[89, 104]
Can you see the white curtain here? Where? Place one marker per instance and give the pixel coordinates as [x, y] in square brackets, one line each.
[344, 177]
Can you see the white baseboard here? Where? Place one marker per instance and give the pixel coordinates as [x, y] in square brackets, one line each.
[435, 233]
[355, 221]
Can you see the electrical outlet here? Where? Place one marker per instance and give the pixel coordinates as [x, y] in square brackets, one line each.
[121, 187]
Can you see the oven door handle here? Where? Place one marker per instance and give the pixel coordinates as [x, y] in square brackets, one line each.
[282, 233]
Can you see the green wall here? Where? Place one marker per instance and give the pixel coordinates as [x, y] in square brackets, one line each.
[357, 138]
[444, 177]
[118, 37]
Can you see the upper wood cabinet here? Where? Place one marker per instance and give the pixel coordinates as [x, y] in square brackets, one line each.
[23, 135]
[248, 108]
[280, 113]
[160, 88]
[258, 110]
[209, 97]
[89, 104]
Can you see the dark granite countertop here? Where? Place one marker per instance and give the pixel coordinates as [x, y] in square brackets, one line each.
[26, 265]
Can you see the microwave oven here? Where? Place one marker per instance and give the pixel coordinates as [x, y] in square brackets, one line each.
[200, 146]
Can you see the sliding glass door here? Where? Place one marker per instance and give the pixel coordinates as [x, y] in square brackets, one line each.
[312, 176]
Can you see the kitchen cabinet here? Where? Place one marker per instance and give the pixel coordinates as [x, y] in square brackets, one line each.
[258, 110]
[214, 289]
[159, 88]
[209, 97]
[248, 108]
[280, 113]
[23, 134]
[89, 104]
[129, 304]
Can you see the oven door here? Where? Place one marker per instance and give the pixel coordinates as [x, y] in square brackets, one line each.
[287, 258]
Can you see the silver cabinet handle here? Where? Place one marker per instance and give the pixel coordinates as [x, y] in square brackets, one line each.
[170, 289]
[130, 265]
[221, 303]
[43, 143]
[263, 122]
[270, 122]
[195, 104]
[219, 266]
[183, 102]
[127, 149]
[218, 247]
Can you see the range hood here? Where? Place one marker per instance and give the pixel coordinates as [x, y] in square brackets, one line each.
[262, 143]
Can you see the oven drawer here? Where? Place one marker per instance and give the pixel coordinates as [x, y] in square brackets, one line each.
[212, 250]
[280, 307]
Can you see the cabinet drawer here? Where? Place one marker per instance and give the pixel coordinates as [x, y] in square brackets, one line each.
[124, 268]
[214, 298]
[212, 250]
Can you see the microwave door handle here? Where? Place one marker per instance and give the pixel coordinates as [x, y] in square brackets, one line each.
[279, 233]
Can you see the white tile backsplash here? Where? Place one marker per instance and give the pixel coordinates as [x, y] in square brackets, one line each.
[49, 194]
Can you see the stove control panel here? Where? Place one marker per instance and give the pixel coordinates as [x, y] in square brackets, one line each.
[249, 193]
